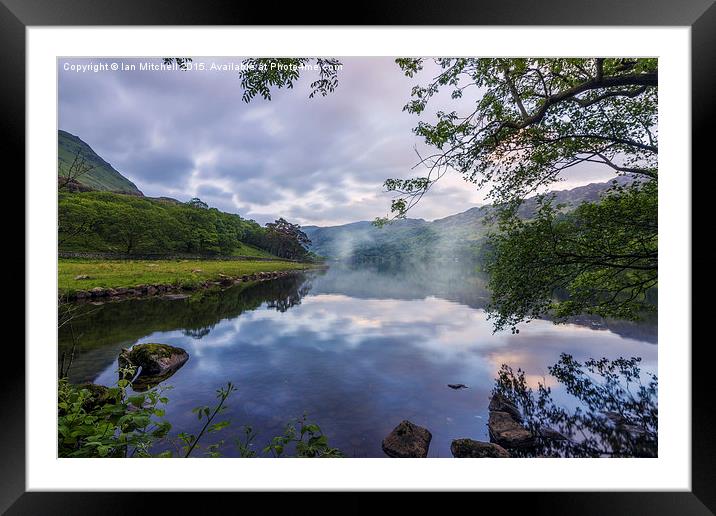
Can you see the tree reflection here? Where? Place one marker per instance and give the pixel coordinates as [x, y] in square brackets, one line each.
[104, 330]
[617, 416]
[285, 299]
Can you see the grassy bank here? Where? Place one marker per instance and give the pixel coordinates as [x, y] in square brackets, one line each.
[130, 273]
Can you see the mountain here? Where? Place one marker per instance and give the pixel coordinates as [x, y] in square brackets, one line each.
[102, 177]
[417, 242]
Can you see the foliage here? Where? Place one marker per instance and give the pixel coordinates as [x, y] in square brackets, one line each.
[619, 417]
[195, 202]
[208, 414]
[96, 421]
[532, 119]
[285, 240]
[600, 258]
[113, 425]
[307, 438]
[259, 75]
[110, 222]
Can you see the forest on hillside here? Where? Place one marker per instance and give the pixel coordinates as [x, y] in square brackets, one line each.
[111, 222]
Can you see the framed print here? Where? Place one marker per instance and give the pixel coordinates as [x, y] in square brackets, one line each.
[423, 248]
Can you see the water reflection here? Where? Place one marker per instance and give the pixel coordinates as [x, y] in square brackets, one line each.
[358, 351]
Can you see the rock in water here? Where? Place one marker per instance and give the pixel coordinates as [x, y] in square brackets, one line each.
[407, 440]
[506, 431]
[500, 403]
[457, 386]
[157, 359]
[468, 448]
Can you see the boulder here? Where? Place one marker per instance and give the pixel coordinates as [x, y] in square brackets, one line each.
[500, 403]
[468, 448]
[225, 280]
[82, 277]
[81, 294]
[157, 359]
[407, 440]
[506, 431]
[98, 292]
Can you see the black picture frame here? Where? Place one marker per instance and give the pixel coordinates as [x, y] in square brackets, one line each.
[700, 15]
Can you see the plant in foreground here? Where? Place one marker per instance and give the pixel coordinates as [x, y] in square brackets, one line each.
[97, 421]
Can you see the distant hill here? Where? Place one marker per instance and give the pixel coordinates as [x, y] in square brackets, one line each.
[456, 238]
[102, 177]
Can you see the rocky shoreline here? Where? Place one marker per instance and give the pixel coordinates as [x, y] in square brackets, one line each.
[176, 291]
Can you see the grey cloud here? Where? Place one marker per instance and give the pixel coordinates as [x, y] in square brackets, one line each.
[168, 169]
[212, 191]
[320, 160]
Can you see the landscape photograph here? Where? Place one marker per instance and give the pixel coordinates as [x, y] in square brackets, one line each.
[357, 257]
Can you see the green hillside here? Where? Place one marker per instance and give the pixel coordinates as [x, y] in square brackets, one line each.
[102, 177]
[121, 223]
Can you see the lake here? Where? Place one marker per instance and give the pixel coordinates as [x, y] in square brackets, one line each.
[357, 351]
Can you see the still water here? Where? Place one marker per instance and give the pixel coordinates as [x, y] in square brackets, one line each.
[357, 351]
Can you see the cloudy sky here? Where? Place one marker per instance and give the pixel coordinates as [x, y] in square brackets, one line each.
[320, 161]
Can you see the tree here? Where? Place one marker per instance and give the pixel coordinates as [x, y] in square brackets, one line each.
[106, 221]
[259, 75]
[286, 240]
[128, 227]
[75, 220]
[70, 175]
[601, 258]
[195, 202]
[532, 120]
